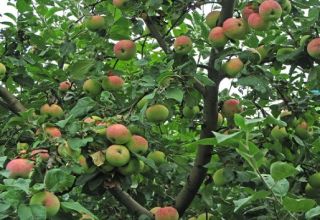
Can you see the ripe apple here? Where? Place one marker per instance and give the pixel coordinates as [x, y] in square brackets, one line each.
[138, 144]
[131, 168]
[166, 213]
[157, 156]
[233, 67]
[119, 3]
[19, 168]
[83, 162]
[302, 130]
[95, 23]
[258, 23]
[3, 69]
[182, 44]
[64, 86]
[48, 200]
[117, 155]
[53, 132]
[279, 133]
[219, 178]
[189, 112]
[248, 10]
[92, 87]
[142, 103]
[157, 113]
[270, 10]
[313, 48]
[125, 50]
[205, 216]
[212, 19]
[56, 111]
[235, 28]
[118, 134]
[314, 180]
[41, 153]
[112, 83]
[217, 38]
[230, 107]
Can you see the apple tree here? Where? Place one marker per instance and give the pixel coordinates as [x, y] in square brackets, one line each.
[119, 109]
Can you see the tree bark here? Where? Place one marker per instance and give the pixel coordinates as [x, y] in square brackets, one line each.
[12, 102]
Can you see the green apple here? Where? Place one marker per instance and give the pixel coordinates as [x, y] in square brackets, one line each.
[117, 155]
[48, 200]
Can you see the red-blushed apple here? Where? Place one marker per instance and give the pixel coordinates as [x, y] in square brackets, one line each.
[256, 22]
[118, 134]
[190, 112]
[3, 69]
[125, 49]
[53, 132]
[138, 144]
[95, 23]
[130, 168]
[166, 213]
[47, 199]
[64, 86]
[302, 130]
[56, 111]
[112, 83]
[92, 87]
[157, 156]
[41, 153]
[157, 113]
[89, 120]
[279, 133]
[45, 109]
[212, 18]
[233, 67]
[119, 3]
[313, 48]
[83, 162]
[270, 10]
[235, 28]
[117, 155]
[248, 10]
[231, 107]
[182, 44]
[217, 38]
[19, 168]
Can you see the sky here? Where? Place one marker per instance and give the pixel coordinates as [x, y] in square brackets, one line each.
[4, 8]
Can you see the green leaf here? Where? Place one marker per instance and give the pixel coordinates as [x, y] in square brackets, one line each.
[76, 143]
[298, 205]
[120, 29]
[67, 47]
[64, 122]
[279, 188]
[175, 93]
[57, 180]
[240, 121]
[147, 161]
[22, 184]
[83, 106]
[76, 206]
[280, 170]
[2, 161]
[313, 213]
[34, 212]
[79, 69]
[225, 137]
[204, 80]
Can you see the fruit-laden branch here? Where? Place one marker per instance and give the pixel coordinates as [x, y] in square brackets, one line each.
[125, 199]
[12, 102]
[203, 157]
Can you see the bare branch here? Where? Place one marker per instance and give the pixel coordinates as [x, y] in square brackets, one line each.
[14, 104]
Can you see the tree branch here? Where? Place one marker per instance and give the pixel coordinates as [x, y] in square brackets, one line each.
[126, 200]
[203, 157]
[198, 85]
[14, 104]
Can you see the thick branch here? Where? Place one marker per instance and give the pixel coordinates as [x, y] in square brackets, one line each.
[198, 85]
[125, 199]
[203, 157]
[14, 104]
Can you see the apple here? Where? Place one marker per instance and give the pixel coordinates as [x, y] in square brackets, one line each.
[182, 44]
[205, 216]
[56, 111]
[189, 112]
[279, 133]
[313, 48]
[233, 67]
[302, 130]
[112, 83]
[138, 144]
[88, 120]
[64, 86]
[235, 28]
[286, 6]
[53, 132]
[157, 113]
[118, 134]
[3, 69]
[270, 10]
[22, 147]
[212, 18]
[230, 107]
[95, 23]
[19, 168]
[125, 49]
[248, 10]
[86, 217]
[64, 150]
[256, 22]
[41, 153]
[166, 213]
[154, 209]
[217, 38]
[83, 162]
[131, 168]
[314, 180]
[119, 3]
[312, 192]
[220, 120]
[142, 102]
[117, 155]
[157, 156]
[92, 87]
[48, 200]
[219, 178]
